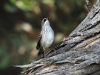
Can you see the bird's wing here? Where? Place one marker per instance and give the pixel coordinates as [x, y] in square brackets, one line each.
[38, 43]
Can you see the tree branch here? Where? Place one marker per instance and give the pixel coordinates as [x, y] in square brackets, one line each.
[78, 54]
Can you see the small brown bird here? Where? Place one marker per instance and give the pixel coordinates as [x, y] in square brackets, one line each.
[45, 39]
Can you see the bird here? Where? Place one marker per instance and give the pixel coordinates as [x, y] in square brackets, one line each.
[45, 38]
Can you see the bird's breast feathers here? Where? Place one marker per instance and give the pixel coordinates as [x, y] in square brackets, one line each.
[47, 38]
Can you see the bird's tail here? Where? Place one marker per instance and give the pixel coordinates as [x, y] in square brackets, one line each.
[40, 54]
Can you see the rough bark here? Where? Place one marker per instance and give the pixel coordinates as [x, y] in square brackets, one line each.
[78, 54]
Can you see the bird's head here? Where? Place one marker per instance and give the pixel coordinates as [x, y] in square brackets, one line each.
[45, 21]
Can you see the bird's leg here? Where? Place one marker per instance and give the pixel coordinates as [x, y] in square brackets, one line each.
[44, 52]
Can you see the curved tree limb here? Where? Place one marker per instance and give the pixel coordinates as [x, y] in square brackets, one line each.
[78, 54]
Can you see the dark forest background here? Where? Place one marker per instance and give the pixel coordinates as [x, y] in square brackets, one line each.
[20, 25]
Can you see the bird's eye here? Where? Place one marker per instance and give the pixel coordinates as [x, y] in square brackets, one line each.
[44, 19]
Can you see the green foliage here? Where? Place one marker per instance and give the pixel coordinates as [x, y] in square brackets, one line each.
[4, 58]
[9, 8]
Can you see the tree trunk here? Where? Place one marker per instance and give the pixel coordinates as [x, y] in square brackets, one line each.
[78, 54]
